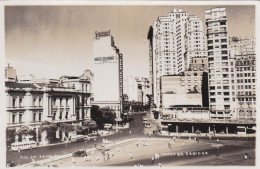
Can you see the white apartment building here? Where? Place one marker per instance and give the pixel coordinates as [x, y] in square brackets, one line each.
[108, 73]
[194, 40]
[130, 88]
[220, 66]
[173, 36]
[137, 88]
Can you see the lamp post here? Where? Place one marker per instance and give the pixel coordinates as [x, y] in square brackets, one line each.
[85, 145]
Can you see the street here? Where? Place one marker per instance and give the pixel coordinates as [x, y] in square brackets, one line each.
[232, 147]
[25, 156]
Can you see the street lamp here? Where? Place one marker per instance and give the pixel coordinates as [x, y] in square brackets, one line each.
[85, 145]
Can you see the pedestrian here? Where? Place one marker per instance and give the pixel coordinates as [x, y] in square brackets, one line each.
[85, 157]
[130, 132]
[143, 143]
[108, 156]
[246, 156]
[198, 140]
[97, 158]
[33, 160]
[158, 156]
[73, 160]
[130, 155]
[137, 143]
[123, 149]
[152, 160]
[160, 164]
[112, 154]
[217, 154]
[51, 157]
[61, 164]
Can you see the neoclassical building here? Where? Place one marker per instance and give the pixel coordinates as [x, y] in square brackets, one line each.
[68, 101]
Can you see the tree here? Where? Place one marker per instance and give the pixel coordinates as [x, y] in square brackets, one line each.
[108, 115]
[51, 129]
[25, 130]
[102, 115]
[10, 136]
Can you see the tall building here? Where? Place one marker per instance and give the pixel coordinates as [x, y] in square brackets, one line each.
[137, 89]
[174, 39]
[108, 73]
[130, 88]
[10, 73]
[194, 40]
[221, 65]
[243, 50]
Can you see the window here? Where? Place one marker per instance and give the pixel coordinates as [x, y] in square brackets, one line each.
[20, 102]
[20, 117]
[40, 102]
[14, 102]
[67, 101]
[13, 118]
[34, 116]
[34, 102]
[66, 117]
[40, 116]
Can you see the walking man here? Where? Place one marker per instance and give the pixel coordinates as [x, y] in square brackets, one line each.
[130, 155]
[152, 160]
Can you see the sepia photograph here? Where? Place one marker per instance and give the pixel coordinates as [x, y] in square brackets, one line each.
[130, 85]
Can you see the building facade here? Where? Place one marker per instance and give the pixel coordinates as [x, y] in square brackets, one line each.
[137, 89]
[176, 39]
[194, 40]
[30, 104]
[243, 50]
[108, 73]
[10, 73]
[184, 89]
[221, 65]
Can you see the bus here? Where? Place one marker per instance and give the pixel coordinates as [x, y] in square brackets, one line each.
[23, 145]
[77, 138]
[241, 130]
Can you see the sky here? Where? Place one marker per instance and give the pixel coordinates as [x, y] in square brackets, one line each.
[51, 41]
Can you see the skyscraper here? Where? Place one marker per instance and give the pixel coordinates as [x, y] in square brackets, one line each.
[221, 66]
[176, 39]
[108, 73]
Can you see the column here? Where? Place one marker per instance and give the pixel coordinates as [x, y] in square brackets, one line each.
[226, 130]
[192, 129]
[177, 129]
[209, 129]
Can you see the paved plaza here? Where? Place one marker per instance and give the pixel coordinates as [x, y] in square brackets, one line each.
[182, 152]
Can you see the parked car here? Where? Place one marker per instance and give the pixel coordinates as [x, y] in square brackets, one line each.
[79, 153]
[10, 164]
[107, 126]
